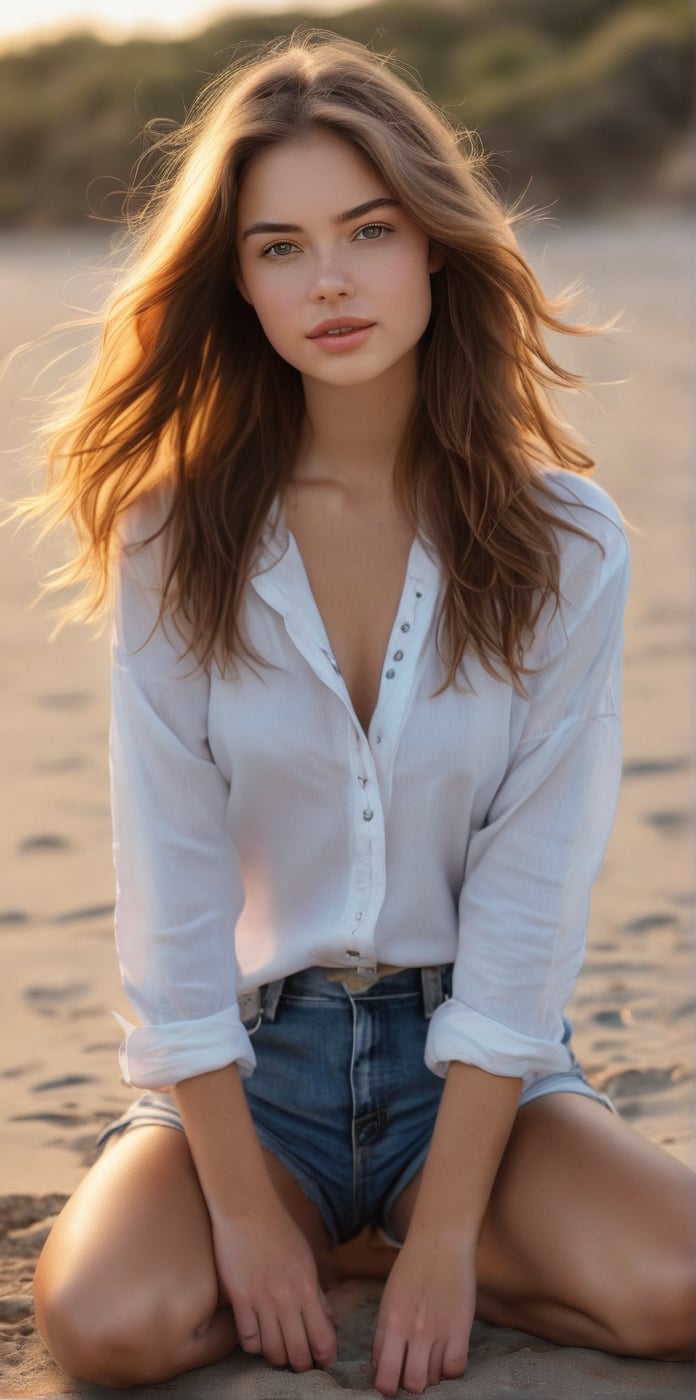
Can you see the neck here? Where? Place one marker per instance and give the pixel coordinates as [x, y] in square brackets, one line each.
[352, 434]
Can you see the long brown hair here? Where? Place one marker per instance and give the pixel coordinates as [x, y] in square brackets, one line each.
[188, 394]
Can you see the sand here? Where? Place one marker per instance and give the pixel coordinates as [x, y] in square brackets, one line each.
[634, 1007]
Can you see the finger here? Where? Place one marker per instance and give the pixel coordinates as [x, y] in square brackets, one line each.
[416, 1366]
[295, 1339]
[435, 1362]
[272, 1342]
[378, 1342]
[327, 1304]
[390, 1364]
[247, 1326]
[455, 1357]
[320, 1329]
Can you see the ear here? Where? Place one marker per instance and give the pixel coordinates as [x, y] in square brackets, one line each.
[436, 259]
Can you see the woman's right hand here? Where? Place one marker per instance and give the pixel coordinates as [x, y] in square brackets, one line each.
[268, 1271]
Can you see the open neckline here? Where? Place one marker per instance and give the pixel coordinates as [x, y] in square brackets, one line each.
[410, 570]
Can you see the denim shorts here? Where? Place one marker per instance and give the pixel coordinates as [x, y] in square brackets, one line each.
[341, 1094]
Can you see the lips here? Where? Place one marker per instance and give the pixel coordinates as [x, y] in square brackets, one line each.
[339, 323]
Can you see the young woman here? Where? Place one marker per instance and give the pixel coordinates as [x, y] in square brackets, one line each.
[365, 756]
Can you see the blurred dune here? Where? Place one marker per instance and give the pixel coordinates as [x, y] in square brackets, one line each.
[587, 99]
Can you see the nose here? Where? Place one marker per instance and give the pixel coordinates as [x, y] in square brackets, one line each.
[330, 280]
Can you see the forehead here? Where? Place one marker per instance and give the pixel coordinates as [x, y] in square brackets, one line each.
[318, 172]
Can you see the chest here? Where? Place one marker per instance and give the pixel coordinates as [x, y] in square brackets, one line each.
[356, 569]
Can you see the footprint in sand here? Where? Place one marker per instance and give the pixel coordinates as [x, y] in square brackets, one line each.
[16, 1071]
[670, 822]
[62, 765]
[628, 1083]
[617, 1019]
[62, 1120]
[9, 918]
[13, 1308]
[66, 1082]
[67, 992]
[687, 1008]
[47, 841]
[647, 767]
[66, 700]
[92, 911]
[648, 922]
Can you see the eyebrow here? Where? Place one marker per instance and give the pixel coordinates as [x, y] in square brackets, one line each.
[382, 202]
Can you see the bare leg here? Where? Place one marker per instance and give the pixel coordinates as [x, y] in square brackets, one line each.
[126, 1288]
[590, 1234]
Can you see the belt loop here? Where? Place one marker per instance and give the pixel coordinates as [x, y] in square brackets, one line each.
[433, 991]
[270, 996]
[250, 1006]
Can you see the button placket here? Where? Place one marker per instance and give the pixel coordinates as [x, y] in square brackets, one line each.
[406, 658]
[367, 876]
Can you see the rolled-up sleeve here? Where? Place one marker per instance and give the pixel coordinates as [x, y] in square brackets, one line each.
[524, 900]
[179, 891]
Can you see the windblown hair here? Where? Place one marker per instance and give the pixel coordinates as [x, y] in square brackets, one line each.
[188, 393]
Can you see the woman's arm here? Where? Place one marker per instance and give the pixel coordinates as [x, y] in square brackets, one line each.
[427, 1308]
[522, 919]
[473, 1125]
[179, 893]
[265, 1264]
[530, 868]
[179, 888]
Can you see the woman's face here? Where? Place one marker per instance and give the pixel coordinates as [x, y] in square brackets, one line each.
[320, 239]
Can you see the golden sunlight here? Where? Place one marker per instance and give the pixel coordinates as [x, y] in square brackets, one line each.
[116, 19]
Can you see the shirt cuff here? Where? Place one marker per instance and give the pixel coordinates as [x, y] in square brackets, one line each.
[456, 1032]
[156, 1057]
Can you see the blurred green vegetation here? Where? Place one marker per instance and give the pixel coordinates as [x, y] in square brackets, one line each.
[580, 101]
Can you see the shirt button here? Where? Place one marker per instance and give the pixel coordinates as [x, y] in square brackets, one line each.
[398, 656]
[359, 915]
[362, 781]
[405, 627]
[390, 674]
[419, 593]
[368, 814]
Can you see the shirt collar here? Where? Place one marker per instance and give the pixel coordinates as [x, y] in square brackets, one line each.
[279, 566]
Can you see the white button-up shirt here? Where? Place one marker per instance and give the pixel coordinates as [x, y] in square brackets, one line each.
[258, 830]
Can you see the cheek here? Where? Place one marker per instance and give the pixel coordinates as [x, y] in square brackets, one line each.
[273, 302]
[276, 308]
[407, 288]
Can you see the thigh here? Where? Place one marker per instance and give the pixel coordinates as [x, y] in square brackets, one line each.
[129, 1264]
[580, 1197]
[589, 1236]
[138, 1212]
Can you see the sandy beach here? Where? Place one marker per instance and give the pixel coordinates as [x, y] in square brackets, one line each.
[634, 1007]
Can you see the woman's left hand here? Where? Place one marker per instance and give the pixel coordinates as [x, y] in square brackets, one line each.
[426, 1312]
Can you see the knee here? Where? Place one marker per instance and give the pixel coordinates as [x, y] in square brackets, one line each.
[129, 1341]
[661, 1321]
[678, 1316]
